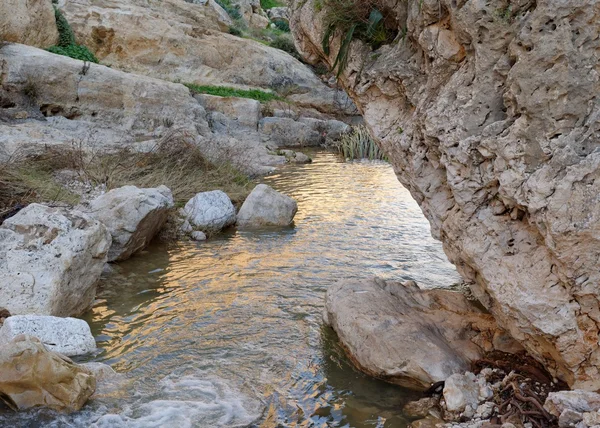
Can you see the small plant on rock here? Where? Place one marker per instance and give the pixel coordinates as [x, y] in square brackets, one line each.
[67, 45]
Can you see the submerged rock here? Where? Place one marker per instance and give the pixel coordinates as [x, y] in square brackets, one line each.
[50, 261]
[67, 336]
[133, 217]
[421, 408]
[266, 207]
[405, 335]
[210, 211]
[31, 375]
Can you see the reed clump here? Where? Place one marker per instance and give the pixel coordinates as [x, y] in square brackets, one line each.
[359, 144]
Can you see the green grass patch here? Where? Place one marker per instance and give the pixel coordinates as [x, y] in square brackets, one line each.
[269, 4]
[359, 145]
[224, 91]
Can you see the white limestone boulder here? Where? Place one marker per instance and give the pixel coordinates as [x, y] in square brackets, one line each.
[50, 261]
[576, 400]
[67, 336]
[266, 207]
[29, 22]
[210, 211]
[133, 216]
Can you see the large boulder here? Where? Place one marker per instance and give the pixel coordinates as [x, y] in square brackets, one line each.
[133, 35]
[266, 207]
[67, 336]
[29, 22]
[210, 211]
[133, 217]
[405, 335]
[488, 113]
[50, 261]
[243, 111]
[31, 376]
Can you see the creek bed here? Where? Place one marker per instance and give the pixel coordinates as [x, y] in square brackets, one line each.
[228, 332]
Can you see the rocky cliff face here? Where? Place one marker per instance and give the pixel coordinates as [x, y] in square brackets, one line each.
[489, 113]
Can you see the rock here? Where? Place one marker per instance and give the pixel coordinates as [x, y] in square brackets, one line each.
[295, 157]
[245, 112]
[332, 129]
[279, 14]
[258, 21]
[29, 22]
[266, 207]
[499, 106]
[591, 419]
[461, 390]
[198, 236]
[287, 132]
[485, 410]
[421, 408]
[50, 261]
[31, 376]
[107, 380]
[133, 217]
[405, 335]
[67, 336]
[578, 400]
[569, 418]
[210, 211]
[200, 49]
[428, 422]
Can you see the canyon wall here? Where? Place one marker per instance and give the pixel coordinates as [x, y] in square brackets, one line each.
[489, 111]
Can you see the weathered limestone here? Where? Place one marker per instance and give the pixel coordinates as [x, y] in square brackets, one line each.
[210, 211]
[67, 336]
[50, 261]
[489, 115]
[266, 207]
[31, 376]
[245, 112]
[279, 14]
[405, 335]
[133, 35]
[28, 21]
[577, 400]
[133, 217]
[286, 132]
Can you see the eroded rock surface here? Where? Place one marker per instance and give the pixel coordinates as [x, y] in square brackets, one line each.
[50, 261]
[133, 217]
[489, 113]
[405, 335]
[28, 21]
[31, 376]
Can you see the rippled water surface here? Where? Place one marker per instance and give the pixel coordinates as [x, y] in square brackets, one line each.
[229, 333]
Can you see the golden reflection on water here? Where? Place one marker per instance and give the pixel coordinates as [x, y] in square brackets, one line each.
[246, 307]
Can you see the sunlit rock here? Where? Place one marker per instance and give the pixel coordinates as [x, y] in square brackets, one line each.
[30, 22]
[31, 376]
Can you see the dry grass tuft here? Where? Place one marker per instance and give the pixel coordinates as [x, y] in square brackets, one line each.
[175, 161]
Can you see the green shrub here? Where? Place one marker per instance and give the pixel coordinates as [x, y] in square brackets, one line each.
[359, 145]
[355, 19]
[223, 91]
[231, 10]
[67, 45]
[286, 44]
[282, 25]
[269, 4]
[65, 32]
[235, 31]
[74, 51]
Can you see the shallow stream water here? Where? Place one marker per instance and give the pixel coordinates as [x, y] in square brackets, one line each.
[228, 332]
